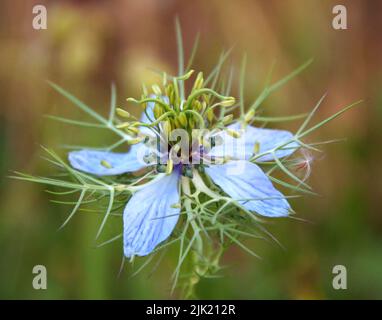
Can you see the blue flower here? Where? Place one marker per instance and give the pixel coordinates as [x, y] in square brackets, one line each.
[152, 212]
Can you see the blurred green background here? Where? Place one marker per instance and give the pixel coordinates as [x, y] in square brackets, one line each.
[89, 44]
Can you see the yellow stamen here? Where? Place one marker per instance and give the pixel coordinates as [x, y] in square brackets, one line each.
[256, 147]
[156, 90]
[106, 164]
[210, 115]
[228, 102]
[182, 119]
[227, 119]
[123, 113]
[249, 115]
[135, 141]
[233, 133]
[123, 125]
[170, 166]
[158, 111]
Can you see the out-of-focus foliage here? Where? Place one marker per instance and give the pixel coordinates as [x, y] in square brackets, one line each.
[89, 44]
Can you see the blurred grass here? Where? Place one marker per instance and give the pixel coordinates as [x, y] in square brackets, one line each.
[89, 44]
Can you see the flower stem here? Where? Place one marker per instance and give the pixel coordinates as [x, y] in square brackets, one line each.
[198, 246]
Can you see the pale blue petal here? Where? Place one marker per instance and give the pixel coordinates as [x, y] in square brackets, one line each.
[244, 147]
[91, 161]
[243, 181]
[149, 217]
[269, 139]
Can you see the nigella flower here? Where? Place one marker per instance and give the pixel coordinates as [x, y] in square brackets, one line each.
[152, 212]
[197, 167]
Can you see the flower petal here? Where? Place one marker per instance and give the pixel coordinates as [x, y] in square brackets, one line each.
[103, 163]
[244, 147]
[247, 183]
[269, 139]
[149, 217]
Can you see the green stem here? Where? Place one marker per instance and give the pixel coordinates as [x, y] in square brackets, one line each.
[187, 204]
[158, 101]
[198, 239]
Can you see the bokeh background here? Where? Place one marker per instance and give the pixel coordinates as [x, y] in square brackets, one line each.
[90, 44]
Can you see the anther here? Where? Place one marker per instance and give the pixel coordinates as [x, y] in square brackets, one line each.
[170, 166]
[122, 113]
[199, 81]
[156, 90]
[210, 115]
[182, 119]
[158, 111]
[123, 125]
[133, 130]
[106, 164]
[227, 119]
[135, 141]
[228, 102]
[256, 147]
[233, 133]
[249, 115]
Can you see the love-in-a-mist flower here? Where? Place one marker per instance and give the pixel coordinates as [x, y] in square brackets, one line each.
[198, 171]
[211, 149]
